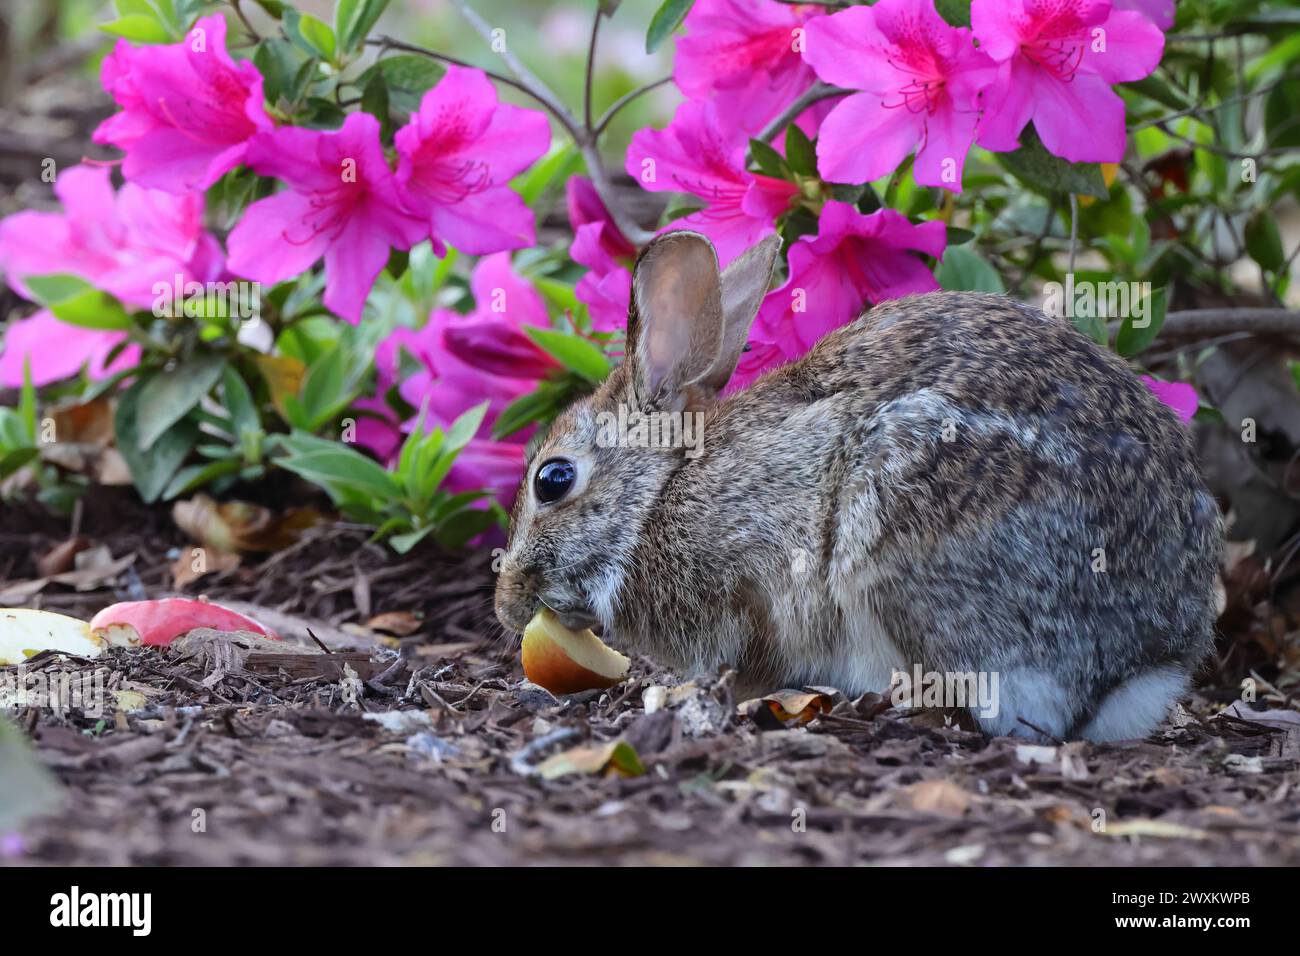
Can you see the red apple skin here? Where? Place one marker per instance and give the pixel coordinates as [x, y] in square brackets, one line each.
[160, 622]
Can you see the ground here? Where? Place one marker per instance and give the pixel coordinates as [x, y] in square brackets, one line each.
[200, 760]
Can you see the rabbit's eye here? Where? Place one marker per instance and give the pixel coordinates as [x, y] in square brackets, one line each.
[554, 479]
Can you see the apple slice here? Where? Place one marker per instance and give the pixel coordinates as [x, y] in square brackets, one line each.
[25, 632]
[565, 661]
[160, 622]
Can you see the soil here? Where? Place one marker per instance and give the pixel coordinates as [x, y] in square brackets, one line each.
[440, 752]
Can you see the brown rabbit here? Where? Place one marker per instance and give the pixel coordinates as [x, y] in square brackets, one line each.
[953, 484]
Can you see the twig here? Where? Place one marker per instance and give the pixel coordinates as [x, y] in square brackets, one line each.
[243, 18]
[389, 43]
[582, 138]
[815, 93]
[1196, 323]
[1201, 108]
[1034, 727]
[591, 69]
[622, 101]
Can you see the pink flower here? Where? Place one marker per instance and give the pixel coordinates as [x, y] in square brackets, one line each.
[605, 251]
[853, 260]
[122, 243]
[1159, 12]
[58, 350]
[745, 54]
[920, 78]
[456, 156]
[1057, 60]
[188, 111]
[1179, 396]
[342, 203]
[492, 337]
[464, 363]
[699, 153]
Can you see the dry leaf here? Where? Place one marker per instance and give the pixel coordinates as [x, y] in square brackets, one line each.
[284, 375]
[234, 526]
[60, 557]
[401, 623]
[791, 708]
[617, 757]
[188, 567]
[941, 797]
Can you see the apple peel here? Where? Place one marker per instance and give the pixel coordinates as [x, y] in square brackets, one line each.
[565, 661]
[158, 623]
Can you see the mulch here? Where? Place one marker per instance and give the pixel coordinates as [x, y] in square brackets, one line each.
[439, 752]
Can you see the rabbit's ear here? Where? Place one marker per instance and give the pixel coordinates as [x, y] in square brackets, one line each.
[677, 325]
[744, 283]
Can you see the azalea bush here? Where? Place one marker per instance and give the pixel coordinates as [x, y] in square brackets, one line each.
[317, 249]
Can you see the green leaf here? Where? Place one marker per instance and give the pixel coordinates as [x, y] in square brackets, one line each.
[666, 19]
[408, 76]
[1294, 365]
[574, 353]
[311, 34]
[344, 467]
[541, 404]
[11, 461]
[167, 397]
[800, 152]
[374, 100]
[457, 530]
[1033, 165]
[138, 28]
[75, 301]
[465, 427]
[560, 162]
[965, 270]
[955, 12]
[280, 63]
[152, 470]
[402, 543]
[354, 19]
[238, 401]
[1264, 242]
[766, 160]
[192, 477]
[1133, 339]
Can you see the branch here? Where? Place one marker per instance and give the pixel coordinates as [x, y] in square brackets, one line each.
[622, 101]
[582, 138]
[815, 93]
[591, 70]
[1202, 323]
[527, 80]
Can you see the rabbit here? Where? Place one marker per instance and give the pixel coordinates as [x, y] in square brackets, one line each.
[954, 483]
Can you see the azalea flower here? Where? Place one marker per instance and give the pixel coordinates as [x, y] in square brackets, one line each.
[699, 153]
[492, 337]
[456, 156]
[188, 110]
[1057, 61]
[852, 261]
[1179, 396]
[605, 251]
[920, 78]
[464, 361]
[745, 55]
[123, 243]
[342, 203]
